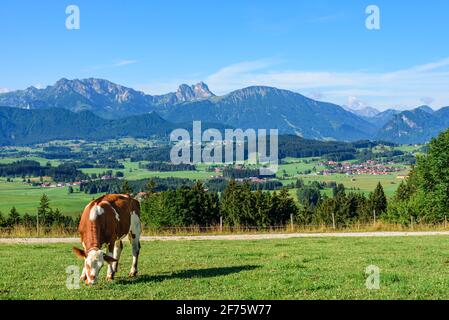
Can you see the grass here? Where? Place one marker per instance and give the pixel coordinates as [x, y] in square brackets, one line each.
[310, 268]
[293, 167]
[366, 183]
[42, 161]
[26, 198]
[133, 172]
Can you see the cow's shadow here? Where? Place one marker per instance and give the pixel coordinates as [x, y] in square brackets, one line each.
[188, 274]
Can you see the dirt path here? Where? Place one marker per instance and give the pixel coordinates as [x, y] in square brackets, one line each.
[239, 237]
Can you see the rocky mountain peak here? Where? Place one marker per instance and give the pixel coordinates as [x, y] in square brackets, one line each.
[194, 92]
[201, 90]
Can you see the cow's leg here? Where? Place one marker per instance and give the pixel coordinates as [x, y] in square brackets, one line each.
[83, 275]
[111, 272]
[118, 247]
[134, 238]
[135, 243]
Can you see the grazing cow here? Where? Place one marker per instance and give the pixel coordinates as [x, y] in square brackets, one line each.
[104, 223]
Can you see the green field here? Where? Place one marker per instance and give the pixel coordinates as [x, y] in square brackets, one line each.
[366, 183]
[309, 268]
[133, 172]
[26, 198]
[293, 167]
[42, 161]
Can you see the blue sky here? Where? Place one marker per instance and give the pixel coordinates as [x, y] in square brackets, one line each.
[319, 48]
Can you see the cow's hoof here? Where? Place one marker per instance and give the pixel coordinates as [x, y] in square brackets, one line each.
[110, 277]
[83, 278]
[133, 274]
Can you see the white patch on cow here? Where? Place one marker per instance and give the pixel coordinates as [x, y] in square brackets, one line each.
[135, 226]
[117, 217]
[95, 212]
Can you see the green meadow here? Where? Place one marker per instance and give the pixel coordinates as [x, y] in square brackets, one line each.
[26, 198]
[133, 172]
[364, 183]
[308, 268]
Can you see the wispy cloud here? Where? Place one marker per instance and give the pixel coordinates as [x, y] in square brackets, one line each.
[404, 88]
[327, 18]
[4, 90]
[399, 88]
[117, 64]
[124, 63]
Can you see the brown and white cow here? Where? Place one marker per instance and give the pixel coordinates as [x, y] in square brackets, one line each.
[104, 223]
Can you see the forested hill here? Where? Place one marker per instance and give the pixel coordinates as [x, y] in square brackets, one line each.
[19, 126]
[22, 127]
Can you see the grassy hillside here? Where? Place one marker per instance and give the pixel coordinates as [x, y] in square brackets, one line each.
[26, 198]
[312, 268]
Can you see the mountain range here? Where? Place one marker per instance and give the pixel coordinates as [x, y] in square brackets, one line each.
[104, 98]
[93, 102]
[415, 126]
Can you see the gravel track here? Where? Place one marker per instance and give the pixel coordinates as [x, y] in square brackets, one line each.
[238, 237]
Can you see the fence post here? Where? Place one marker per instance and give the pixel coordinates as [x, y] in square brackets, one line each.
[333, 220]
[411, 221]
[291, 222]
[37, 224]
[445, 222]
[374, 213]
[221, 224]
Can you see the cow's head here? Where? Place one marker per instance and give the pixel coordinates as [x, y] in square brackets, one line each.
[93, 262]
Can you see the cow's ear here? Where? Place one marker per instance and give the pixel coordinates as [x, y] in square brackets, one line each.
[109, 259]
[80, 253]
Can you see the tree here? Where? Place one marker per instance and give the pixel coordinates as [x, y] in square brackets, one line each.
[425, 194]
[27, 220]
[339, 190]
[150, 187]
[325, 213]
[58, 218]
[230, 205]
[2, 221]
[354, 208]
[429, 182]
[377, 201]
[126, 189]
[14, 217]
[285, 207]
[403, 192]
[44, 211]
[309, 196]
[299, 183]
[186, 206]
